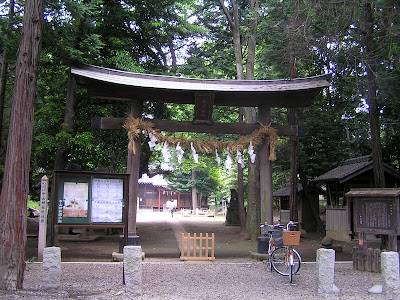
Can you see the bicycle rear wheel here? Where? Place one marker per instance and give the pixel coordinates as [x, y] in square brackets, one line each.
[280, 261]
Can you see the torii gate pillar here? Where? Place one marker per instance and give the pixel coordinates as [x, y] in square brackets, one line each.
[266, 188]
[133, 166]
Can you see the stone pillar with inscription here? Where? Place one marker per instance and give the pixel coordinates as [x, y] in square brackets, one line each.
[44, 195]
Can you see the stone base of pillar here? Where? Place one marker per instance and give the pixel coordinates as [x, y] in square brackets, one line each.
[51, 268]
[133, 270]
[133, 240]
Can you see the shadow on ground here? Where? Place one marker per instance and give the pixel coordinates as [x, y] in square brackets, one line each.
[158, 233]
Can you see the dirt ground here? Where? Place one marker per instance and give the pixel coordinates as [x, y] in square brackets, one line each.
[158, 233]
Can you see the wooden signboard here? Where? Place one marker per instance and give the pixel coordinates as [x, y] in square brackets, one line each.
[376, 216]
[90, 199]
[376, 211]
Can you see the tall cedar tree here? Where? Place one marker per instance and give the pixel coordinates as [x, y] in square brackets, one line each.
[14, 193]
[249, 113]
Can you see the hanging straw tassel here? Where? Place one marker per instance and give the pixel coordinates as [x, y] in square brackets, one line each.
[266, 133]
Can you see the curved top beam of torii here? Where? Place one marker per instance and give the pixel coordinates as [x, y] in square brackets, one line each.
[120, 85]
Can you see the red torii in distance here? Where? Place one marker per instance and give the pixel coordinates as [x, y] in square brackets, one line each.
[204, 94]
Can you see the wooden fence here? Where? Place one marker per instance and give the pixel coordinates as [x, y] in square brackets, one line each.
[197, 247]
[366, 259]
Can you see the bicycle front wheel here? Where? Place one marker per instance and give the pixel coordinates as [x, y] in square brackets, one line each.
[280, 261]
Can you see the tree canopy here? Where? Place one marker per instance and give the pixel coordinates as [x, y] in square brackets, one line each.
[192, 38]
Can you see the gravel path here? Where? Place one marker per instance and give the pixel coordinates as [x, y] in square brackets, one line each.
[172, 279]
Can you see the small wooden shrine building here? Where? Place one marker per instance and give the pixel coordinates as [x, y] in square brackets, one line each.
[350, 174]
[306, 218]
[151, 196]
[103, 83]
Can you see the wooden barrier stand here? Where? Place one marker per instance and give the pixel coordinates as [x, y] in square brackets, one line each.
[197, 247]
[366, 259]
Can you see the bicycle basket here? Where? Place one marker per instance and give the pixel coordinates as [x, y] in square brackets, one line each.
[291, 238]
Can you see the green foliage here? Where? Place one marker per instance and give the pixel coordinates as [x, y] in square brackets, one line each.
[130, 35]
[33, 204]
[151, 36]
[210, 178]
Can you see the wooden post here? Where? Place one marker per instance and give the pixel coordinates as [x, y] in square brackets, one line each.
[213, 245]
[44, 195]
[266, 188]
[392, 242]
[355, 258]
[201, 245]
[294, 166]
[362, 251]
[377, 257]
[207, 246]
[368, 262]
[159, 199]
[194, 193]
[133, 169]
[240, 187]
[194, 244]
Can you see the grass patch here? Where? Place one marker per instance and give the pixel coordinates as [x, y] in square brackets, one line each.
[34, 204]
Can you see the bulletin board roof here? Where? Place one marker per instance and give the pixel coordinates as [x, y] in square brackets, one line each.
[120, 85]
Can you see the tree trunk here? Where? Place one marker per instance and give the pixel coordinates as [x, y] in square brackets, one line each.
[370, 64]
[237, 41]
[14, 194]
[251, 42]
[234, 23]
[294, 142]
[253, 203]
[253, 183]
[4, 73]
[174, 63]
[69, 113]
[309, 200]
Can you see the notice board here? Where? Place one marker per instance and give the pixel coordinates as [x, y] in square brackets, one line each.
[90, 198]
[375, 215]
[375, 211]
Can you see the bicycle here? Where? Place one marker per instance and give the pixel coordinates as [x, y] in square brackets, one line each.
[286, 261]
[273, 232]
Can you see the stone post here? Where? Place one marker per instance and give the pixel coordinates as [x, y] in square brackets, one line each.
[51, 270]
[133, 270]
[390, 274]
[325, 272]
[44, 195]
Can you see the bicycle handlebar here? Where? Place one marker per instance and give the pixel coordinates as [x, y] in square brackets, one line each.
[272, 226]
[291, 223]
[288, 225]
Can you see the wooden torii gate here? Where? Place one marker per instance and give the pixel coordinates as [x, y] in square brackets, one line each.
[112, 84]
